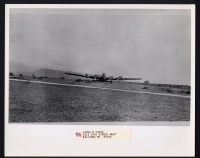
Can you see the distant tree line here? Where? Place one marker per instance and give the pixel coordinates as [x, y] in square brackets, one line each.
[162, 85]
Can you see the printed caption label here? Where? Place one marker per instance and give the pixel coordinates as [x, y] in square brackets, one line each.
[104, 134]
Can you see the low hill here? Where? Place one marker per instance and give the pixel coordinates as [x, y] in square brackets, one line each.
[55, 74]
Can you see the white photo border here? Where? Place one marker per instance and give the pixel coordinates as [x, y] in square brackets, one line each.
[58, 139]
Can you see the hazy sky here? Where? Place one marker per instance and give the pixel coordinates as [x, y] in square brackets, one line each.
[152, 44]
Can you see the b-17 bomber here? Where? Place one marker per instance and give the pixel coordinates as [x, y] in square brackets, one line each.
[102, 78]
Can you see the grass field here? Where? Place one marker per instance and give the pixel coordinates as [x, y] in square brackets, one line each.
[32, 102]
[119, 85]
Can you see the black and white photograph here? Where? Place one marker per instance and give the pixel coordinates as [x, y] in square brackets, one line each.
[102, 65]
[117, 67]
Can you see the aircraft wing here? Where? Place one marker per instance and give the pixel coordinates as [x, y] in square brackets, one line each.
[74, 74]
[132, 78]
[120, 78]
[82, 75]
